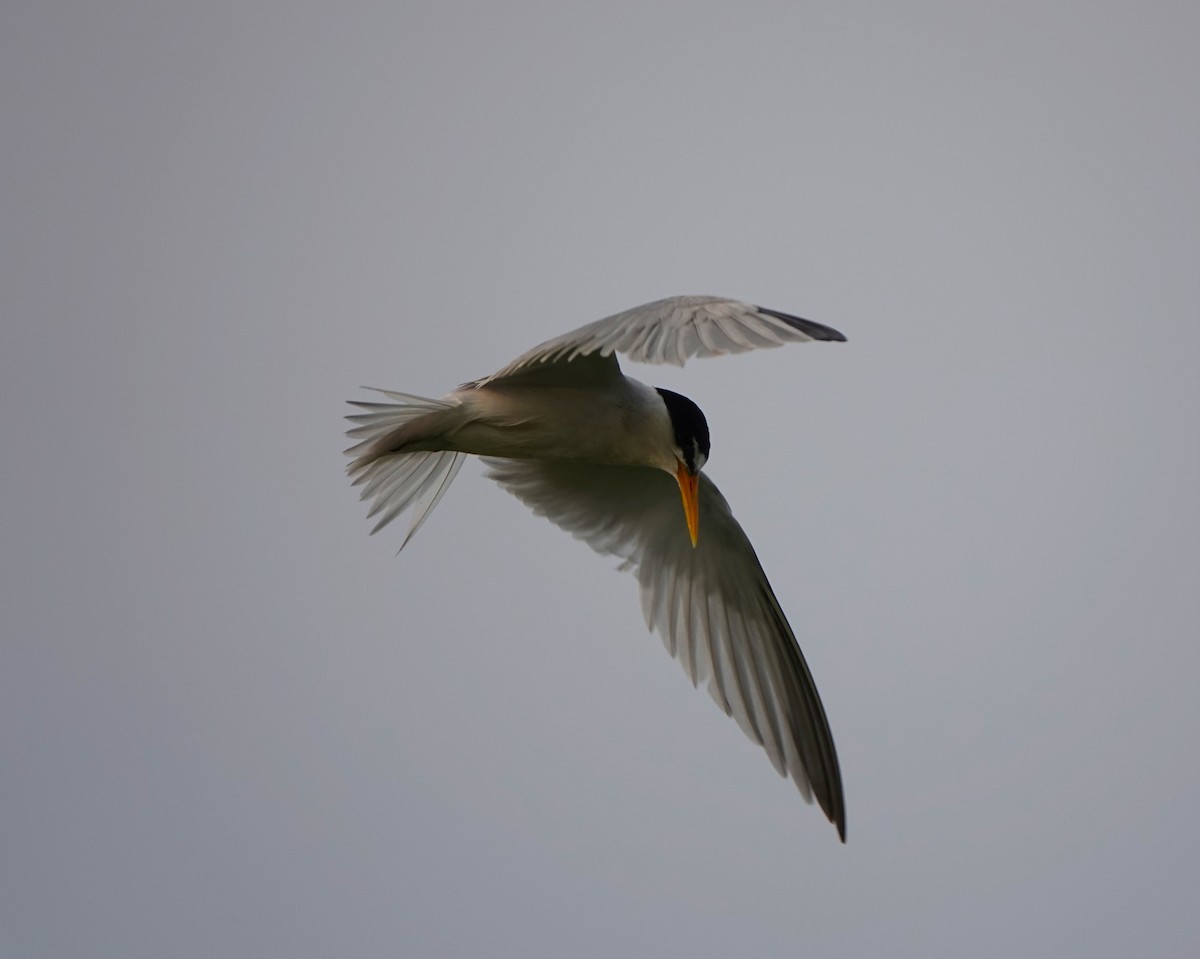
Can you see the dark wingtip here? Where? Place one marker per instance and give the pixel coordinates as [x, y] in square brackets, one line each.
[807, 327]
[835, 811]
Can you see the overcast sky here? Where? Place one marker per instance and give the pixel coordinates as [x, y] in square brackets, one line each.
[233, 724]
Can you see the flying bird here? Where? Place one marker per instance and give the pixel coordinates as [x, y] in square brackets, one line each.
[609, 459]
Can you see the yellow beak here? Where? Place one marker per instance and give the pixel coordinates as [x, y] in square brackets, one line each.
[689, 487]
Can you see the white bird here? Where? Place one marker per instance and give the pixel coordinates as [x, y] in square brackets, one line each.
[601, 455]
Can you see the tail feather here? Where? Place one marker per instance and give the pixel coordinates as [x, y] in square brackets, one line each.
[395, 480]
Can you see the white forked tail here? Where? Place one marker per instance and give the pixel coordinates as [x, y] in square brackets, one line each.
[395, 480]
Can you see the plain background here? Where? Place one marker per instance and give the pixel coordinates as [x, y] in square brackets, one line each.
[235, 725]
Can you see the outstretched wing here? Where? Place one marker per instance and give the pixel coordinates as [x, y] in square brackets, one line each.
[711, 604]
[667, 331]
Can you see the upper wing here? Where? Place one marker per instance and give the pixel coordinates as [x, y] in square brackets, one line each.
[711, 604]
[668, 331]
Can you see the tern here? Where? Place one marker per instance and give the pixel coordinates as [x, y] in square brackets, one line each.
[608, 459]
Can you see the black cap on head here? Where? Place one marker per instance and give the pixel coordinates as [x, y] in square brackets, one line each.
[691, 429]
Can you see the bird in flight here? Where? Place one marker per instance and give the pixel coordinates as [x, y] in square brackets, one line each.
[608, 459]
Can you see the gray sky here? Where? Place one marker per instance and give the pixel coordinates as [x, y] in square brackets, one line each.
[233, 724]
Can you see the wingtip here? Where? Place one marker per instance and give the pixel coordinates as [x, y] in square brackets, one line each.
[816, 331]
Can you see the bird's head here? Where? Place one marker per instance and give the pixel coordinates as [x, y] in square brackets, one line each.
[691, 446]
